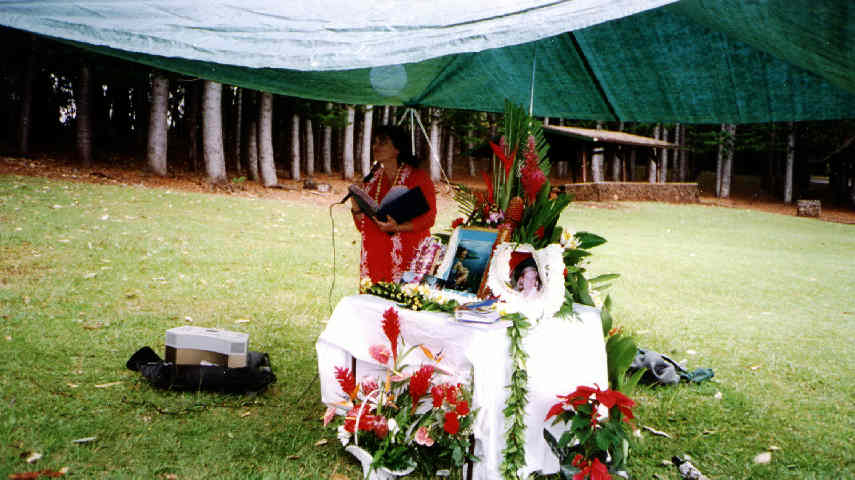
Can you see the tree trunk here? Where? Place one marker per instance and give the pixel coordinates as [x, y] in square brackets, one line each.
[266, 165]
[212, 132]
[295, 146]
[435, 164]
[720, 161]
[310, 148]
[651, 168]
[791, 157]
[365, 152]
[237, 126]
[663, 158]
[347, 154]
[84, 117]
[326, 145]
[727, 166]
[449, 154]
[158, 128]
[194, 101]
[469, 146]
[252, 149]
[25, 126]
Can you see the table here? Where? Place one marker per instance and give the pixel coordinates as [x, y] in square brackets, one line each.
[563, 354]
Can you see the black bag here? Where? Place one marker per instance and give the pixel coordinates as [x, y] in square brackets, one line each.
[255, 377]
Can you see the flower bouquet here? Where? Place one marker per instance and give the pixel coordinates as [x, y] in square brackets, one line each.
[409, 419]
[596, 442]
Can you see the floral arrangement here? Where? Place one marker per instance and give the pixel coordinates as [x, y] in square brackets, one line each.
[518, 193]
[413, 297]
[410, 419]
[596, 441]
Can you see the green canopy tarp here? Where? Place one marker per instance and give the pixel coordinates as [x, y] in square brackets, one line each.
[692, 61]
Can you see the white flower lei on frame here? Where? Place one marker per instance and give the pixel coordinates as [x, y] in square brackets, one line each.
[550, 270]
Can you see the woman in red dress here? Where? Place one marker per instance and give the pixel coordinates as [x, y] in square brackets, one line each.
[389, 247]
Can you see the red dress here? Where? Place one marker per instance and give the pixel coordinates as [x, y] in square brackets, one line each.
[386, 257]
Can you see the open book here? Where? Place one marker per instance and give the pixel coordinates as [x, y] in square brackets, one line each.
[400, 203]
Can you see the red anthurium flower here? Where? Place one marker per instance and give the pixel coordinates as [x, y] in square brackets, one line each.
[380, 427]
[457, 222]
[392, 329]
[419, 383]
[452, 424]
[462, 408]
[555, 410]
[540, 232]
[347, 381]
[451, 394]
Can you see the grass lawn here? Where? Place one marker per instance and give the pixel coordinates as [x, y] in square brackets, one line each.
[90, 273]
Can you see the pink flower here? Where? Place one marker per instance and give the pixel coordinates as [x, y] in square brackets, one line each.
[369, 386]
[328, 415]
[423, 437]
[379, 353]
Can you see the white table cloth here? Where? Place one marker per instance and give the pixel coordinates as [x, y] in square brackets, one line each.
[563, 354]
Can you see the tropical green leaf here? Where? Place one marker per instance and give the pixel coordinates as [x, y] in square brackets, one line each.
[589, 240]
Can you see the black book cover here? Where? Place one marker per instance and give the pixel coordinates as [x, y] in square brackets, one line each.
[402, 208]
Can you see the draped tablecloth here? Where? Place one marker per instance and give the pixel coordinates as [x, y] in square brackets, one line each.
[563, 354]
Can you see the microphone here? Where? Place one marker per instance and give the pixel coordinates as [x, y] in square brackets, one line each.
[374, 169]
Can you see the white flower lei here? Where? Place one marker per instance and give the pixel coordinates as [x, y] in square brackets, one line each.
[550, 270]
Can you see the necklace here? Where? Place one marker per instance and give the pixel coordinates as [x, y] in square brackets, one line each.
[381, 178]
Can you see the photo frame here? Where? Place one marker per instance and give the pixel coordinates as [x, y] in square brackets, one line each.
[467, 258]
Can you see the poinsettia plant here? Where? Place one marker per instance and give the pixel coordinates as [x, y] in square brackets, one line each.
[597, 438]
[413, 416]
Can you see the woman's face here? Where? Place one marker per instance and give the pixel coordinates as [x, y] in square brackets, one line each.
[386, 153]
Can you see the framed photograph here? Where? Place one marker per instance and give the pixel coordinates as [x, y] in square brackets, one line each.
[466, 259]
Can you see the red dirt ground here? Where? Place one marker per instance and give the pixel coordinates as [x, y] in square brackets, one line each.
[49, 167]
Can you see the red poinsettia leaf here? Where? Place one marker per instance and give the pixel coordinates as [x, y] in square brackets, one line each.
[555, 410]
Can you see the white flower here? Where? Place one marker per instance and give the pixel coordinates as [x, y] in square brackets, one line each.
[365, 284]
[343, 436]
[569, 240]
[393, 426]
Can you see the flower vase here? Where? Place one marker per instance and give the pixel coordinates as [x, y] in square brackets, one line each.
[379, 473]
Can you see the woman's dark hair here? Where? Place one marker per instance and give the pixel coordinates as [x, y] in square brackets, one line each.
[400, 138]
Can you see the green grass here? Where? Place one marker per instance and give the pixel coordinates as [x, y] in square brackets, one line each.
[89, 273]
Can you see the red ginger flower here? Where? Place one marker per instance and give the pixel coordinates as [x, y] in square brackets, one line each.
[532, 177]
[347, 381]
[419, 383]
[392, 329]
[452, 424]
